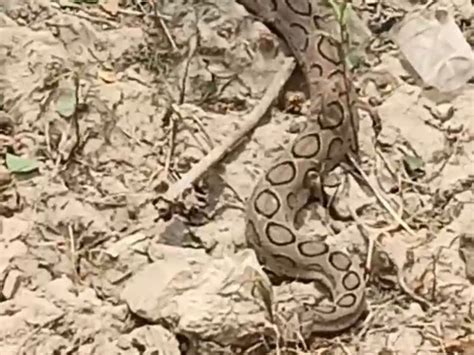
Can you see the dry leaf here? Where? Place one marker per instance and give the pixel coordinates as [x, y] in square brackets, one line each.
[110, 6]
[107, 76]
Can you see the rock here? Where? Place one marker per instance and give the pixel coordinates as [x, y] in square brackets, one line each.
[61, 289]
[15, 249]
[145, 301]
[453, 127]
[125, 243]
[153, 339]
[24, 311]
[40, 278]
[227, 300]
[371, 89]
[87, 298]
[11, 284]
[13, 228]
[7, 253]
[388, 136]
[443, 112]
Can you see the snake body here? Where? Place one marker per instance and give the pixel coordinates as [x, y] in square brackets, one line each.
[284, 190]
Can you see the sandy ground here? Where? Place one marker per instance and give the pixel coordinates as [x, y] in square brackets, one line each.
[104, 108]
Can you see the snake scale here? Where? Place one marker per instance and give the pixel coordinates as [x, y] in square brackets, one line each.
[284, 189]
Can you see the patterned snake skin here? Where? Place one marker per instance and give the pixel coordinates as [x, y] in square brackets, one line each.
[283, 191]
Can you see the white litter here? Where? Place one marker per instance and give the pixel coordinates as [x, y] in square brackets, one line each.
[436, 48]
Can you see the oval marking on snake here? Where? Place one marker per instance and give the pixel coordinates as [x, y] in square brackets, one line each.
[336, 72]
[326, 309]
[316, 71]
[291, 200]
[303, 12]
[335, 148]
[340, 261]
[354, 145]
[315, 267]
[351, 281]
[312, 248]
[343, 94]
[278, 234]
[324, 276]
[281, 173]
[307, 146]
[347, 300]
[302, 35]
[267, 203]
[275, 5]
[284, 261]
[332, 116]
[324, 44]
[316, 21]
[261, 259]
[252, 236]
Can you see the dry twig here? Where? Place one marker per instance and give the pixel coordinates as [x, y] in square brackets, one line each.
[46, 324]
[382, 200]
[218, 152]
[159, 19]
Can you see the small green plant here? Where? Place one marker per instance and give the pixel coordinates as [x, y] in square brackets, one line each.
[342, 11]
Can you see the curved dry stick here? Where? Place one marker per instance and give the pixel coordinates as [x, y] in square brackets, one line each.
[216, 154]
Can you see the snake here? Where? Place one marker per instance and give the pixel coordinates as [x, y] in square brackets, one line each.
[284, 189]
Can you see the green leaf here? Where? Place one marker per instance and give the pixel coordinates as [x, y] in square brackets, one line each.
[354, 60]
[339, 11]
[66, 102]
[16, 164]
[414, 165]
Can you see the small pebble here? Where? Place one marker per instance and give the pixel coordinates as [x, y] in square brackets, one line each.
[16, 248]
[443, 112]
[12, 284]
[415, 310]
[298, 125]
[453, 128]
[371, 89]
[388, 136]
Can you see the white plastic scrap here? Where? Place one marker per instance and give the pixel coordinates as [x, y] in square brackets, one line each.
[436, 48]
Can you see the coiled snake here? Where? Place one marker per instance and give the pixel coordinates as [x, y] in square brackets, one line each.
[283, 190]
